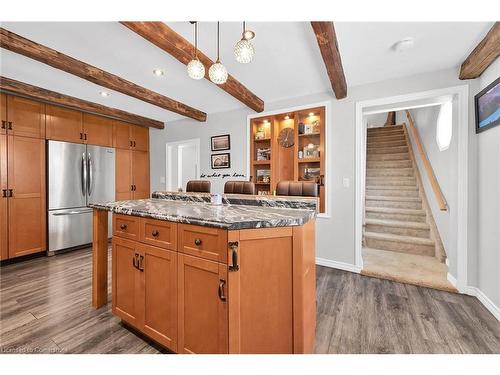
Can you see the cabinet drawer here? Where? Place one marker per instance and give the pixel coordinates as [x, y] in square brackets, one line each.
[203, 242]
[159, 233]
[126, 226]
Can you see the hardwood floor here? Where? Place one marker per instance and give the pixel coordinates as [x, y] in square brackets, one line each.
[45, 307]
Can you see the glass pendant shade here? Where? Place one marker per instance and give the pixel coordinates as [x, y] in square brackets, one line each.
[244, 51]
[195, 69]
[218, 73]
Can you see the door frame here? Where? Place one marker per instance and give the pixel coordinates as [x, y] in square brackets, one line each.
[462, 94]
[168, 158]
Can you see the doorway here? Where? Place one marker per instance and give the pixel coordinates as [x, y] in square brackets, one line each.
[182, 164]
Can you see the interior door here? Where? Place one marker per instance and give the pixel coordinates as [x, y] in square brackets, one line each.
[98, 130]
[140, 137]
[25, 117]
[202, 299]
[123, 177]
[64, 124]
[140, 174]
[26, 206]
[160, 294]
[4, 251]
[187, 163]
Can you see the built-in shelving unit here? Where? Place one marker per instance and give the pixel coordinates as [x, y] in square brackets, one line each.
[298, 155]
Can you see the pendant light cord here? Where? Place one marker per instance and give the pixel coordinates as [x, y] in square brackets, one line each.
[196, 40]
[218, 59]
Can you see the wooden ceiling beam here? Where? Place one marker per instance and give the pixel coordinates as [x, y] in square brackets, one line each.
[58, 60]
[328, 46]
[162, 36]
[483, 55]
[11, 86]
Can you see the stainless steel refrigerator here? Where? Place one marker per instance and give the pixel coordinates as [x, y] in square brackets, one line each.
[78, 175]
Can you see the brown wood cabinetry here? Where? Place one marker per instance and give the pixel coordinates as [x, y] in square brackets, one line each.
[132, 174]
[4, 250]
[3, 114]
[26, 195]
[97, 130]
[130, 137]
[25, 117]
[259, 298]
[64, 124]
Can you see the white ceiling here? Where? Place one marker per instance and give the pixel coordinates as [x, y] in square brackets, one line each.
[287, 61]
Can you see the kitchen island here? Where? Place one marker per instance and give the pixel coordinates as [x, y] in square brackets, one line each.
[203, 278]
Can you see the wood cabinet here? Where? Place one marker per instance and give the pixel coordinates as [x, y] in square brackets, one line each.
[202, 303]
[64, 124]
[26, 190]
[132, 174]
[97, 130]
[3, 113]
[4, 250]
[130, 137]
[25, 117]
[259, 298]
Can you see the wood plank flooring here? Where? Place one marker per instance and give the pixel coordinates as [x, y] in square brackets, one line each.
[45, 307]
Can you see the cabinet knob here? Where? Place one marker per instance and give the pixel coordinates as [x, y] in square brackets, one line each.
[123, 226]
[11, 193]
[155, 233]
[4, 124]
[197, 242]
[4, 193]
[10, 125]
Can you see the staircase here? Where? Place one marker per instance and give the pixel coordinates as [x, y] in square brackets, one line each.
[397, 216]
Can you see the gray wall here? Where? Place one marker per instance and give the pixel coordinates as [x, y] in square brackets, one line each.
[335, 234]
[488, 201]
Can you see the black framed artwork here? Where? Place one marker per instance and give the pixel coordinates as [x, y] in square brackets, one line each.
[487, 107]
[221, 161]
[221, 142]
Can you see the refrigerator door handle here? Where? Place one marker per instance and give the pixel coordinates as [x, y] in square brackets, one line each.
[72, 212]
[84, 175]
[90, 181]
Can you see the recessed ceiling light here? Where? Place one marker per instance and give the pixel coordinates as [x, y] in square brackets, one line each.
[403, 44]
[287, 117]
[104, 94]
[158, 72]
[311, 114]
[266, 121]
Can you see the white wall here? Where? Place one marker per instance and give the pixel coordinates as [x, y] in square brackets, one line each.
[376, 119]
[488, 201]
[335, 235]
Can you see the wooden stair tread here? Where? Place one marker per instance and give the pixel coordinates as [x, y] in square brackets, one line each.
[398, 238]
[397, 223]
[393, 210]
[393, 198]
[391, 187]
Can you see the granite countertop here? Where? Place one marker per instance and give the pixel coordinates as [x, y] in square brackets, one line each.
[231, 217]
[306, 203]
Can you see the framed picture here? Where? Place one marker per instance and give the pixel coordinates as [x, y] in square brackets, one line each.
[221, 142]
[220, 161]
[487, 106]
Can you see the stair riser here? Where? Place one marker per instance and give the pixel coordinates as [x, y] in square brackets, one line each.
[394, 204]
[384, 138]
[393, 193]
[411, 232]
[392, 216]
[374, 144]
[400, 247]
[388, 157]
[391, 181]
[382, 172]
[387, 150]
[389, 164]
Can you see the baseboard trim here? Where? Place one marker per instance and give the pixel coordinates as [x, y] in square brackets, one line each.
[452, 279]
[338, 265]
[483, 298]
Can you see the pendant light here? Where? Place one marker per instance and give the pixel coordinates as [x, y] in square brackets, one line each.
[218, 72]
[244, 50]
[195, 68]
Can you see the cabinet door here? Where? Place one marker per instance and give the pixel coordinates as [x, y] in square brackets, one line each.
[140, 174]
[4, 251]
[64, 124]
[140, 138]
[159, 289]
[203, 319]
[123, 177]
[126, 282]
[26, 207]
[121, 135]
[3, 114]
[25, 117]
[97, 130]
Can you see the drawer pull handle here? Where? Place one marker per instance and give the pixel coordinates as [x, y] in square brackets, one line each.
[123, 226]
[222, 297]
[234, 257]
[197, 242]
[10, 125]
[135, 261]
[155, 233]
[4, 124]
[141, 267]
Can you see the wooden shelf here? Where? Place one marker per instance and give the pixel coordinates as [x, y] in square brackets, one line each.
[310, 135]
[262, 140]
[310, 160]
[262, 183]
[261, 162]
